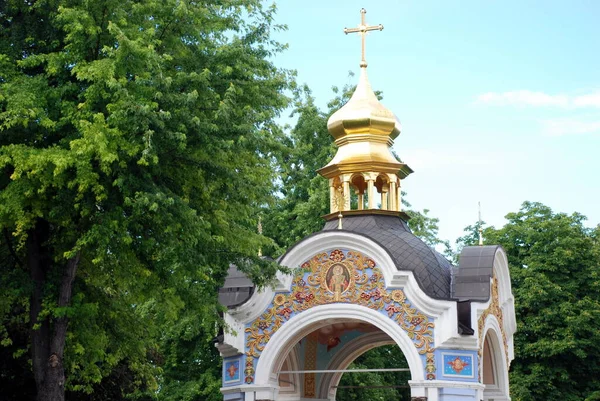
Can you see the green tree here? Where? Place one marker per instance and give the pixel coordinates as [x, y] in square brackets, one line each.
[555, 271]
[304, 194]
[136, 145]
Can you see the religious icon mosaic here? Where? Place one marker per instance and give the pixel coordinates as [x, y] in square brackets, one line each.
[231, 371]
[339, 276]
[457, 365]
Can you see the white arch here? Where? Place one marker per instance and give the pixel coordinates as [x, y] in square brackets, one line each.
[294, 364]
[505, 298]
[500, 391]
[300, 325]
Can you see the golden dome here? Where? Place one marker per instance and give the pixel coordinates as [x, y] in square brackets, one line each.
[363, 114]
[364, 131]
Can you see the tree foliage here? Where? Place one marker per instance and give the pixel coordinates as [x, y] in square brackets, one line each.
[555, 271]
[136, 145]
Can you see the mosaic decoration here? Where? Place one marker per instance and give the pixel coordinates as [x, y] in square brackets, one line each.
[339, 276]
[310, 363]
[495, 310]
[430, 364]
[231, 372]
[457, 365]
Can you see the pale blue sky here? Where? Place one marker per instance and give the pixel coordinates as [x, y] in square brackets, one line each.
[499, 100]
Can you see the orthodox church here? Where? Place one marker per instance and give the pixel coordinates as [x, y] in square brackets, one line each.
[366, 281]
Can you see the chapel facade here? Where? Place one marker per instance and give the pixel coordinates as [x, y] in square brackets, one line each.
[365, 281]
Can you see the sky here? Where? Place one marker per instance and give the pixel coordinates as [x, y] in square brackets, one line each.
[499, 100]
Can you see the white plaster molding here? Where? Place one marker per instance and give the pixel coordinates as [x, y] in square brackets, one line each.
[300, 325]
[431, 388]
[445, 384]
[492, 327]
[443, 311]
[253, 392]
[233, 338]
[506, 299]
[501, 272]
[465, 343]
[253, 307]
[293, 359]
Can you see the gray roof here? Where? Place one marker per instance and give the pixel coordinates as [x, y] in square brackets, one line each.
[238, 288]
[472, 277]
[432, 271]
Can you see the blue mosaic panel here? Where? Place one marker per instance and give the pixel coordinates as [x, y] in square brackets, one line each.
[232, 371]
[457, 365]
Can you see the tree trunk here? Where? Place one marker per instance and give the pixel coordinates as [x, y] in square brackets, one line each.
[48, 344]
[38, 264]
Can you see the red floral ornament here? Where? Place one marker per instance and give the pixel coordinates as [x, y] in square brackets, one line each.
[392, 309]
[337, 255]
[285, 312]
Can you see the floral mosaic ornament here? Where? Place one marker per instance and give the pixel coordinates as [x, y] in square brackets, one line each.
[493, 309]
[339, 277]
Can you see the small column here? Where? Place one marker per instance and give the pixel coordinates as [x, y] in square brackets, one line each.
[371, 193]
[346, 194]
[384, 197]
[333, 207]
[361, 200]
[393, 196]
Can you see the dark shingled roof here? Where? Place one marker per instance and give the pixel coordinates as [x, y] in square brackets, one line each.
[238, 288]
[472, 277]
[432, 271]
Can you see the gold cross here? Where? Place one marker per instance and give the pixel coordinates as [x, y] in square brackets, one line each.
[362, 30]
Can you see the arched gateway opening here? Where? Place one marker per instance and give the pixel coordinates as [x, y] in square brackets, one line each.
[340, 361]
[494, 369]
[323, 345]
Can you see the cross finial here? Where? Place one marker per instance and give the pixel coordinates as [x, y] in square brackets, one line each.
[362, 30]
